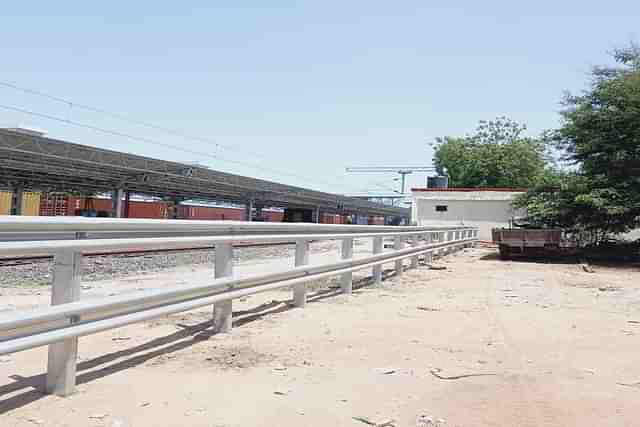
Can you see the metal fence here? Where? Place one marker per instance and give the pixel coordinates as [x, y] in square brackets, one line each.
[68, 317]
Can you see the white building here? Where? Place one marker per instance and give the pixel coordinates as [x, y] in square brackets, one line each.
[485, 208]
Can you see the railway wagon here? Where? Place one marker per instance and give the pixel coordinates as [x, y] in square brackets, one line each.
[30, 203]
[61, 204]
[531, 242]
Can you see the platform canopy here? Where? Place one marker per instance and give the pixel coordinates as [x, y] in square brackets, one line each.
[38, 163]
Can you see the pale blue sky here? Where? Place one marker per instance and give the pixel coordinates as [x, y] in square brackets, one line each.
[310, 87]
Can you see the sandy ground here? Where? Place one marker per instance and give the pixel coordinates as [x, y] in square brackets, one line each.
[482, 343]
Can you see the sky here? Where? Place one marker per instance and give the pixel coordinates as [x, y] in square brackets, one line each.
[296, 91]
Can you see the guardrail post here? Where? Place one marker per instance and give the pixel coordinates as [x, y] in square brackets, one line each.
[428, 256]
[415, 242]
[223, 310]
[377, 269]
[346, 280]
[62, 358]
[398, 244]
[442, 237]
[302, 258]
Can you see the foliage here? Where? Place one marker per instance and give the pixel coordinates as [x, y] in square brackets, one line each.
[496, 155]
[600, 134]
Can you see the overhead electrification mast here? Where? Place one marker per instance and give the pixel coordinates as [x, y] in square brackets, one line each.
[403, 171]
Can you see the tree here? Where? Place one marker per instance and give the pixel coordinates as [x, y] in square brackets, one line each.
[496, 155]
[600, 134]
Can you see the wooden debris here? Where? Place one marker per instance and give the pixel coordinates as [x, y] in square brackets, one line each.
[390, 423]
[364, 420]
[436, 373]
[634, 385]
[586, 267]
[423, 308]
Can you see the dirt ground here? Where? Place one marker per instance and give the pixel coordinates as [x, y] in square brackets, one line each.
[482, 343]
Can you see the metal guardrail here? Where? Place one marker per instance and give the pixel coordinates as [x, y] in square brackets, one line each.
[68, 318]
[34, 224]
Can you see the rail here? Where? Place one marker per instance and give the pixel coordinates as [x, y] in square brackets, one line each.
[60, 325]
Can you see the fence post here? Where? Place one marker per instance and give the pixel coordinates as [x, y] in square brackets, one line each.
[428, 256]
[62, 358]
[445, 236]
[377, 269]
[415, 242]
[302, 258]
[346, 280]
[223, 310]
[398, 244]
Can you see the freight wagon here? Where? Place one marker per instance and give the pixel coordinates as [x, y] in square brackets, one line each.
[522, 241]
[30, 203]
[62, 204]
[188, 211]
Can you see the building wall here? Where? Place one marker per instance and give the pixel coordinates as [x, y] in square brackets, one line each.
[484, 214]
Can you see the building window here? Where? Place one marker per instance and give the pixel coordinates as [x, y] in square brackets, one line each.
[441, 208]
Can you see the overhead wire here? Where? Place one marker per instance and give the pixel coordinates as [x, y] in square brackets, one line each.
[175, 132]
[124, 118]
[158, 143]
[154, 142]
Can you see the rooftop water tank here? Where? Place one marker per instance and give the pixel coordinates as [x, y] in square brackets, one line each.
[437, 181]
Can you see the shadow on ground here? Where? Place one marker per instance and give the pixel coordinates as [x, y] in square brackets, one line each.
[566, 259]
[25, 390]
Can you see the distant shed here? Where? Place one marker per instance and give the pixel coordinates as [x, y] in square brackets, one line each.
[485, 208]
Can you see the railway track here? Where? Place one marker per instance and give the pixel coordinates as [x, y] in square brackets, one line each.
[17, 261]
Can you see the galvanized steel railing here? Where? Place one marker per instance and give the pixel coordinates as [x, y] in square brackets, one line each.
[68, 318]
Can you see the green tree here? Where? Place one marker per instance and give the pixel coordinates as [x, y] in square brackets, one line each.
[497, 154]
[600, 135]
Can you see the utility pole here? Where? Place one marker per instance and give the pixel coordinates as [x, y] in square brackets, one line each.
[403, 171]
